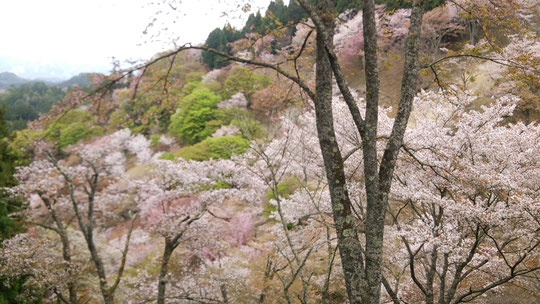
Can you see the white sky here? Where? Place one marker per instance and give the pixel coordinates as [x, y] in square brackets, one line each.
[66, 37]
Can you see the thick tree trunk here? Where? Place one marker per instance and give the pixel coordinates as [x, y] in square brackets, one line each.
[363, 274]
[66, 254]
[162, 283]
[349, 245]
[375, 210]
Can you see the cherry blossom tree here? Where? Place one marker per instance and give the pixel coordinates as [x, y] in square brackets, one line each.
[178, 201]
[84, 192]
[463, 208]
[465, 194]
[51, 271]
[359, 223]
[362, 269]
[285, 158]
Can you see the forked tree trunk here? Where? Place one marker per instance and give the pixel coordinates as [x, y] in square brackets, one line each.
[362, 267]
[363, 274]
[348, 242]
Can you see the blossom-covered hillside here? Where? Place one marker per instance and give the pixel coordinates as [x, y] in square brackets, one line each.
[184, 181]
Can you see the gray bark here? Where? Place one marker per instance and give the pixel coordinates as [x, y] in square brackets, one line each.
[66, 246]
[162, 283]
[348, 242]
[363, 274]
[363, 281]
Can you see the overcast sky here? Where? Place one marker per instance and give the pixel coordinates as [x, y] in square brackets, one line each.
[61, 38]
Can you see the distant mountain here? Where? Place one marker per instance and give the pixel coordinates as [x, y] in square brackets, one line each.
[8, 80]
[82, 80]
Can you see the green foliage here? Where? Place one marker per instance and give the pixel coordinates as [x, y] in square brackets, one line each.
[249, 127]
[214, 147]
[268, 209]
[26, 102]
[149, 111]
[213, 86]
[222, 185]
[226, 146]
[198, 117]
[218, 39]
[216, 186]
[144, 112]
[76, 125]
[344, 5]
[73, 133]
[356, 5]
[154, 139]
[431, 4]
[195, 118]
[8, 159]
[276, 15]
[20, 144]
[167, 156]
[284, 190]
[242, 79]
[12, 290]
[194, 76]
[8, 225]
[254, 24]
[190, 86]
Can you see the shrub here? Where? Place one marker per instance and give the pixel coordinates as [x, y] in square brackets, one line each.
[249, 127]
[196, 117]
[190, 87]
[214, 147]
[167, 156]
[198, 152]
[194, 76]
[227, 146]
[75, 132]
[154, 139]
[241, 79]
[76, 125]
[213, 86]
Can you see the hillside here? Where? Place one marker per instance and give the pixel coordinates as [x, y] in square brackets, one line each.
[25, 100]
[259, 168]
[8, 80]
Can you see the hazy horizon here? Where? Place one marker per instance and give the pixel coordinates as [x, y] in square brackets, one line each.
[59, 39]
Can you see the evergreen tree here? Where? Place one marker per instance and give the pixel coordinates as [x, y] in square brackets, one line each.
[344, 5]
[9, 293]
[295, 13]
[8, 226]
[278, 14]
[219, 40]
[258, 24]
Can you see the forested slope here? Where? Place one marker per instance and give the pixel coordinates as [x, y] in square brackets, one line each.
[198, 177]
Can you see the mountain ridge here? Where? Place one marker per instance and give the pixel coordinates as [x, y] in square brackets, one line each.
[10, 79]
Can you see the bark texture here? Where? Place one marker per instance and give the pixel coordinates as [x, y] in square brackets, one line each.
[350, 248]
